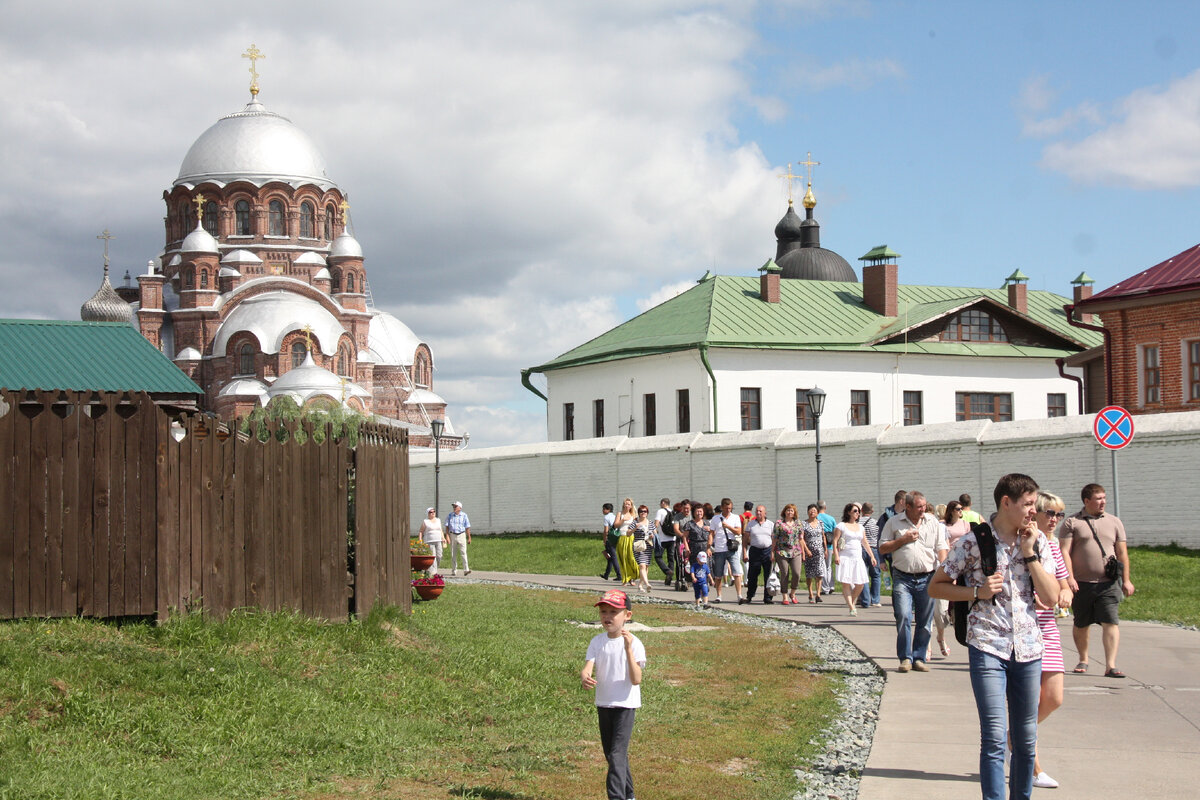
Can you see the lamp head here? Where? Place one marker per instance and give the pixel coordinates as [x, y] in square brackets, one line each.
[436, 426]
[816, 401]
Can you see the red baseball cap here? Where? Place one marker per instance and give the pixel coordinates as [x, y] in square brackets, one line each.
[615, 598]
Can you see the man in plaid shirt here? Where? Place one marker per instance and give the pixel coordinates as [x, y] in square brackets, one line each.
[458, 525]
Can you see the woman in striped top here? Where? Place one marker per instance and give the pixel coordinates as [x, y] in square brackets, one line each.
[1049, 515]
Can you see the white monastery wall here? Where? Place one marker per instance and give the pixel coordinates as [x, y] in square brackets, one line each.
[561, 485]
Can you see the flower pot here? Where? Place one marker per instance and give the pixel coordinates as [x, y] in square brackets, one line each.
[429, 592]
[421, 562]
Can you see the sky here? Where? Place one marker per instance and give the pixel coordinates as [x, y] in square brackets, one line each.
[526, 175]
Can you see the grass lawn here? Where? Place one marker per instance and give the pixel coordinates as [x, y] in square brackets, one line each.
[549, 553]
[1165, 579]
[475, 695]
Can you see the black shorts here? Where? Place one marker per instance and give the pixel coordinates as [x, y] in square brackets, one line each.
[1096, 603]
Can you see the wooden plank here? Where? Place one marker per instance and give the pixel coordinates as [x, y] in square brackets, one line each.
[295, 526]
[238, 511]
[209, 561]
[85, 484]
[40, 467]
[195, 590]
[405, 532]
[100, 509]
[226, 506]
[254, 512]
[362, 525]
[166, 550]
[187, 448]
[308, 489]
[71, 518]
[116, 512]
[133, 509]
[8, 495]
[21, 517]
[279, 522]
[148, 487]
[55, 480]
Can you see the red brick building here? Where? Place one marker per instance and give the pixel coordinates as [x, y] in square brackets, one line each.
[261, 291]
[1152, 335]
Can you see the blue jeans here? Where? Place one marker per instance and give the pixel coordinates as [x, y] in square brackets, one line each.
[997, 683]
[910, 600]
[870, 592]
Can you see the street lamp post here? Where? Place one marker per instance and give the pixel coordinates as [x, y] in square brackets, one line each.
[436, 427]
[816, 404]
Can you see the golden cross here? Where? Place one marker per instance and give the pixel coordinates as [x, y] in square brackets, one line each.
[788, 178]
[345, 213]
[344, 381]
[106, 236]
[199, 201]
[308, 336]
[254, 54]
[809, 164]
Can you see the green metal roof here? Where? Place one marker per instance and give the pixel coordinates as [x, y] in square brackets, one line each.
[85, 356]
[725, 311]
[880, 253]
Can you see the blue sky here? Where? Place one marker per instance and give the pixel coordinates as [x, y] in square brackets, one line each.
[526, 175]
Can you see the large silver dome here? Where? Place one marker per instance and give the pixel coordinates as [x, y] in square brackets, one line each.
[255, 145]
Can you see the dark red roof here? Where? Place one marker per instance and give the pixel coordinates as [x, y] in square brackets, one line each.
[1178, 273]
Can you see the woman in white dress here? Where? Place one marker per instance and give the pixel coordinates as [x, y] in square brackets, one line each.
[848, 556]
[431, 534]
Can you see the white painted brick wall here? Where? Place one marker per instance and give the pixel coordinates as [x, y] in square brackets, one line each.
[561, 485]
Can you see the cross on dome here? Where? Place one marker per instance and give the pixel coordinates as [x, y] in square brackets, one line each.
[254, 54]
[788, 178]
[107, 237]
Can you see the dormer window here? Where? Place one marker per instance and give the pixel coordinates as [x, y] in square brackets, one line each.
[974, 326]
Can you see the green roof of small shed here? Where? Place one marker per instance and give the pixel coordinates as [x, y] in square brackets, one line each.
[85, 356]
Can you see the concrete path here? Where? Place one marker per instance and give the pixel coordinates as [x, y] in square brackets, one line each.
[1132, 739]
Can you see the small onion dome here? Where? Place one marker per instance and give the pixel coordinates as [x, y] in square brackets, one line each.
[345, 246]
[424, 397]
[199, 241]
[323, 275]
[175, 261]
[311, 259]
[106, 305]
[229, 272]
[788, 228]
[246, 387]
[241, 257]
[188, 354]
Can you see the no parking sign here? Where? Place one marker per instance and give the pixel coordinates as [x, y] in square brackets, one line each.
[1113, 427]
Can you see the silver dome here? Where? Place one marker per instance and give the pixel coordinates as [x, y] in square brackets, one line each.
[106, 305]
[255, 145]
[345, 246]
[200, 241]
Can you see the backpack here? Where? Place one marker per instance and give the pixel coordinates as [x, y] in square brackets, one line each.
[959, 609]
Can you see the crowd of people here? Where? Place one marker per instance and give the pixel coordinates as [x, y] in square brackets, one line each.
[1014, 573]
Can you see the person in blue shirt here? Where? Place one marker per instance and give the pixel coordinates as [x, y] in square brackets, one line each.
[700, 575]
[828, 523]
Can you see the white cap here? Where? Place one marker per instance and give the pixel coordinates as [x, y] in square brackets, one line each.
[702, 557]
[429, 509]
[456, 504]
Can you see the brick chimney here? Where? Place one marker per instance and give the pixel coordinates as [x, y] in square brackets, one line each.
[1082, 290]
[768, 282]
[1018, 291]
[879, 280]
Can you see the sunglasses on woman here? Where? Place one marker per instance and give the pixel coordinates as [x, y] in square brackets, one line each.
[1055, 514]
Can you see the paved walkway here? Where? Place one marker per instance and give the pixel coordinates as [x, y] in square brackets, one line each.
[1132, 739]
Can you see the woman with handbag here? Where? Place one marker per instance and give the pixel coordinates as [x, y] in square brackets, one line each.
[789, 552]
[813, 536]
[644, 531]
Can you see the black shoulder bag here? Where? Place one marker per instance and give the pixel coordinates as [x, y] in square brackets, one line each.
[959, 609]
[1113, 568]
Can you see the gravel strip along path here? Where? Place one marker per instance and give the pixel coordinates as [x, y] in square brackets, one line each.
[835, 773]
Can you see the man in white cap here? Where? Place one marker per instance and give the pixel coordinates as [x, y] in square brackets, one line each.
[458, 526]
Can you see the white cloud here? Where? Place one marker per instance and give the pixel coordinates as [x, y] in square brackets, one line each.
[513, 168]
[856, 73]
[1035, 101]
[1151, 141]
[664, 294]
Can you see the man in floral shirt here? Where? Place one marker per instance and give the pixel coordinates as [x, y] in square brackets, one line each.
[1004, 642]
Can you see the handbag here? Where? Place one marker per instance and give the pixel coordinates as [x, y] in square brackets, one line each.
[1113, 568]
[639, 546]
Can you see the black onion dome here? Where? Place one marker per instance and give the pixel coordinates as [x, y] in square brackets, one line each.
[788, 228]
[815, 264]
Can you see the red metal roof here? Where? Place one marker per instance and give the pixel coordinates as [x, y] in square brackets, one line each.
[1178, 273]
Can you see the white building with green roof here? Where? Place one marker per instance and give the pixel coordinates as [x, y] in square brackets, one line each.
[740, 352]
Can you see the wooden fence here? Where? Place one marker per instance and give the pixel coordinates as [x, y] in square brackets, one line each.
[108, 509]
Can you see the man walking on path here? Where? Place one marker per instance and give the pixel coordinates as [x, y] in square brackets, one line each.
[610, 542]
[1088, 541]
[458, 525]
[664, 540]
[916, 543]
[870, 594]
[828, 523]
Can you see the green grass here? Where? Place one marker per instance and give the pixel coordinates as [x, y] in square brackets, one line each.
[1165, 579]
[475, 695]
[549, 553]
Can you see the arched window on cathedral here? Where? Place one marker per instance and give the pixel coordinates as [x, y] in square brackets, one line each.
[276, 223]
[308, 220]
[241, 211]
[974, 326]
[210, 218]
[330, 216]
[299, 350]
[343, 363]
[203, 278]
[245, 359]
[349, 281]
[187, 219]
[189, 278]
[337, 281]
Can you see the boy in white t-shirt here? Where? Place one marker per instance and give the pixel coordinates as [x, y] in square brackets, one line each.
[618, 657]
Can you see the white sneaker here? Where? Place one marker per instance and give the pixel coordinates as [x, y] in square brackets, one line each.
[1044, 781]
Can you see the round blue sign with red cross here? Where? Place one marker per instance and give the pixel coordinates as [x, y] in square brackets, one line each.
[1113, 427]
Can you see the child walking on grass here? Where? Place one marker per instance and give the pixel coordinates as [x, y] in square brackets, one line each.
[701, 573]
[617, 657]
